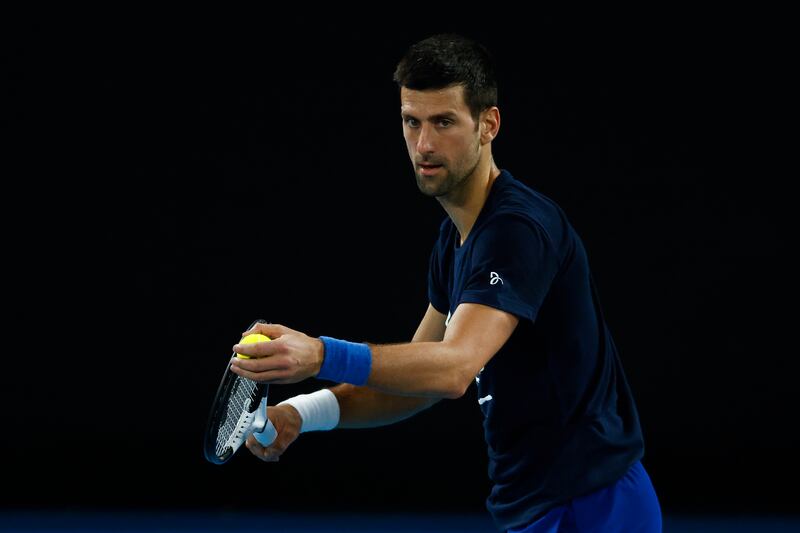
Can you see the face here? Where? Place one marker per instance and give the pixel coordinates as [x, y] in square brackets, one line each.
[441, 136]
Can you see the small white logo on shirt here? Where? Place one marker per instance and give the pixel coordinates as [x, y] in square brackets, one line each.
[494, 278]
[485, 399]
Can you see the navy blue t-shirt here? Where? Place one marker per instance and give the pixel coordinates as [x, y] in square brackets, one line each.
[559, 417]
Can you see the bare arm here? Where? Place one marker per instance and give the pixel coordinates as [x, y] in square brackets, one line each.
[359, 407]
[432, 369]
[365, 407]
[404, 378]
[443, 369]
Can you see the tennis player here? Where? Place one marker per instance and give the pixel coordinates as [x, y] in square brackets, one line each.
[512, 307]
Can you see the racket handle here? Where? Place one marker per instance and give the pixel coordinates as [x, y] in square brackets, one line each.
[263, 430]
[267, 436]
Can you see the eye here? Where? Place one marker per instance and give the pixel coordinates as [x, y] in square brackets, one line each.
[445, 123]
[411, 122]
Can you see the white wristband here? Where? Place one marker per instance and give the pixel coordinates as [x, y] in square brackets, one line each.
[318, 410]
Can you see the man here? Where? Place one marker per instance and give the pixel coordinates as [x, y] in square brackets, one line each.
[512, 306]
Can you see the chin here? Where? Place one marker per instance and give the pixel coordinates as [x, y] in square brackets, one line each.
[427, 191]
[428, 187]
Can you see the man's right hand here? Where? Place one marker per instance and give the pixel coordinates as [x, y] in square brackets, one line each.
[287, 422]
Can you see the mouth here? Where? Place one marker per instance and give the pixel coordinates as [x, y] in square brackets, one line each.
[428, 169]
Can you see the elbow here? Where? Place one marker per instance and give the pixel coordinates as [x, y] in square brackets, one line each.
[457, 386]
[460, 374]
[455, 394]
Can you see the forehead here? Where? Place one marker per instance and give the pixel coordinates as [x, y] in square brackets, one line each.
[433, 101]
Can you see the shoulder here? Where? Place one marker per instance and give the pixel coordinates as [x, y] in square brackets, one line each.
[510, 234]
[516, 198]
[516, 207]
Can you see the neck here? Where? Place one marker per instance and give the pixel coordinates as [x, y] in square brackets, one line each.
[464, 204]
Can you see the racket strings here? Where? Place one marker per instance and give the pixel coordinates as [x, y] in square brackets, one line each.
[242, 394]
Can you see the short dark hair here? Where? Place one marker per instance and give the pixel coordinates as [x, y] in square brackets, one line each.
[447, 60]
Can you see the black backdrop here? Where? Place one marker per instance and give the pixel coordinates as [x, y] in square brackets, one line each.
[170, 180]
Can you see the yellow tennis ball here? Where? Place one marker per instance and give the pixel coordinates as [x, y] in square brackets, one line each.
[252, 339]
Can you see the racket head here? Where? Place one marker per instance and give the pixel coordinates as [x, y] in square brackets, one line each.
[232, 413]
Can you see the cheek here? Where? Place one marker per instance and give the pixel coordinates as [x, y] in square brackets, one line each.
[410, 144]
[463, 148]
[473, 144]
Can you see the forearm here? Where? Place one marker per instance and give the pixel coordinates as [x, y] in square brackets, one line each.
[362, 407]
[427, 369]
[440, 362]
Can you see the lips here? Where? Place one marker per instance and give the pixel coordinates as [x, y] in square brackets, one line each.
[428, 169]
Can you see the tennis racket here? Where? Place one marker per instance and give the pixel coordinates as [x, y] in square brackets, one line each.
[239, 409]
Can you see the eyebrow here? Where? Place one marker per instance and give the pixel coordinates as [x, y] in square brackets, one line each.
[438, 116]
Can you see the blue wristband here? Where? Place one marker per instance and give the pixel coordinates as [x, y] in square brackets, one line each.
[345, 362]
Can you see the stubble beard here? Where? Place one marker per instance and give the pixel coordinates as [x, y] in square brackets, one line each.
[451, 181]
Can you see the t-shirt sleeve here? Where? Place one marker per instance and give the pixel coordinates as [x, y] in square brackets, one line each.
[512, 266]
[437, 286]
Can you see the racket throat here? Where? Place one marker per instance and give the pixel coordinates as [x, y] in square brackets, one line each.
[243, 428]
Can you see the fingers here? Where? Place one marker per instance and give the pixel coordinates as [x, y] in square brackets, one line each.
[271, 453]
[259, 349]
[287, 422]
[270, 362]
[273, 331]
[280, 376]
[262, 363]
[267, 454]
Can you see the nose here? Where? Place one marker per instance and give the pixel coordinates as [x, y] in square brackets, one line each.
[425, 139]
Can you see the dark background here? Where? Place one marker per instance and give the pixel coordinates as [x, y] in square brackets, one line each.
[172, 178]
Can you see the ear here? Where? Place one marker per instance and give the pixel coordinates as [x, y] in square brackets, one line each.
[489, 124]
